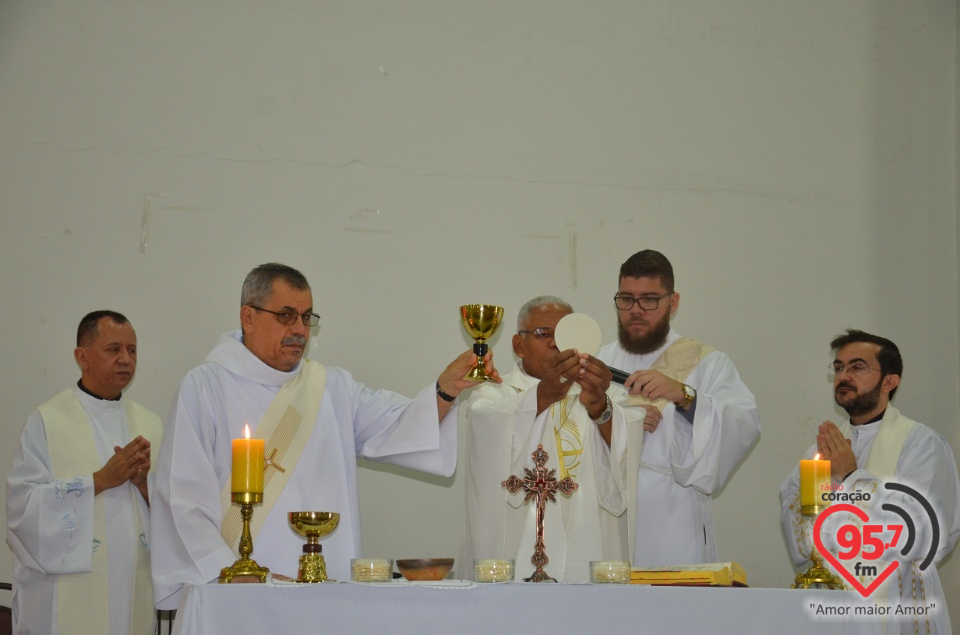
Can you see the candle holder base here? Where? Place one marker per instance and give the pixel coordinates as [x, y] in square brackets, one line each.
[245, 567]
[817, 577]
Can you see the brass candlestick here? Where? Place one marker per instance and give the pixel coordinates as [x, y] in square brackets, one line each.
[245, 566]
[817, 576]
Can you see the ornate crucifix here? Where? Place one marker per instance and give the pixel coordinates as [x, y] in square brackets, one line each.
[541, 484]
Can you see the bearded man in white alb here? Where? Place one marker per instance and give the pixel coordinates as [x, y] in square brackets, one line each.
[882, 446]
[557, 399]
[78, 497]
[315, 420]
[701, 418]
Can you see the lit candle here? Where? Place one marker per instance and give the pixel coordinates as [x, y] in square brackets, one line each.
[247, 464]
[814, 481]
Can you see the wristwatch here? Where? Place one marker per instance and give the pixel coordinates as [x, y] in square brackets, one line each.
[689, 394]
[606, 415]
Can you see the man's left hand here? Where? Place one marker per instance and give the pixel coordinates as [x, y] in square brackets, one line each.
[594, 380]
[655, 385]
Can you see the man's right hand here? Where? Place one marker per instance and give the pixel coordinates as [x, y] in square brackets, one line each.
[652, 419]
[551, 389]
[130, 462]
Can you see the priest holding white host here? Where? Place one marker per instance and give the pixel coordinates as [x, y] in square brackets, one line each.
[558, 399]
[315, 420]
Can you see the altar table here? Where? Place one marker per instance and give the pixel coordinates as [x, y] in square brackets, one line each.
[392, 609]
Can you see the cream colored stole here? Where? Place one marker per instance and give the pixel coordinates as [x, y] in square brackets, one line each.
[885, 451]
[882, 463]
[286, 426]
[677, 362]
[83, 598]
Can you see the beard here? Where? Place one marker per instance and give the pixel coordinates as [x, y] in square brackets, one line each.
[643, 344]
[862, 404]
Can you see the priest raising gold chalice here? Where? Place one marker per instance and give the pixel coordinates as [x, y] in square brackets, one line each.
[315, 422]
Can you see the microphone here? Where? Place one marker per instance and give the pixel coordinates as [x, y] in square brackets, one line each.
[619, 376]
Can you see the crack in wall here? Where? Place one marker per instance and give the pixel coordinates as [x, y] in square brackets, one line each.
[469, 175]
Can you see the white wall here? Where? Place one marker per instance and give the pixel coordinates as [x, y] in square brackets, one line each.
[796, 161]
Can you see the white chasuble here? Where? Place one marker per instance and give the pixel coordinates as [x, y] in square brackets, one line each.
[690, 455]
[503, 430]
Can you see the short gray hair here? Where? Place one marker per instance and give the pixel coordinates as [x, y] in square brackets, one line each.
[258, 285]
[538, 302]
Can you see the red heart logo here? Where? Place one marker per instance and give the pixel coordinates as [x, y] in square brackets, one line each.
[849, 577]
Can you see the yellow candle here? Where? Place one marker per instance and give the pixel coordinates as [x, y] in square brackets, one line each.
[814, 481]
[247, 473]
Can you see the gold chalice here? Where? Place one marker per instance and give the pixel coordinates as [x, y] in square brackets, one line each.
[313, 526]
[481, 321]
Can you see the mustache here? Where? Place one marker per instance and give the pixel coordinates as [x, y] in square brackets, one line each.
[294, 340]
[844, 384]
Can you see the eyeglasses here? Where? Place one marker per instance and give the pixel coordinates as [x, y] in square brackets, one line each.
[855, 368]
[647, 303]
[290, 317]
[541, 332]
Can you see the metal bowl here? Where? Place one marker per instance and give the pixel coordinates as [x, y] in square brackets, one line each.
[425, 568]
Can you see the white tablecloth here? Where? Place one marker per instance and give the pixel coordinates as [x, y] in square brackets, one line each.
[513, 608]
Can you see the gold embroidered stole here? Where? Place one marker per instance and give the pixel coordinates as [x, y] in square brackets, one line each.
[568, 437]
[83, 598]
[677, 362]
[286, 426]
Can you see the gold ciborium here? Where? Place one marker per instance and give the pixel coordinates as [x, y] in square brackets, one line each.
[481, 321]
[313, 526]
[817, 576]
[245, 567]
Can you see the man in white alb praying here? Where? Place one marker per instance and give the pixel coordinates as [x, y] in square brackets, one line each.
[878, 446]
[315, 421]
[701, 418]
[557, 399]
[78, 497]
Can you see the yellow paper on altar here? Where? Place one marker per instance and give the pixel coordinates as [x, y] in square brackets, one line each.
[709, 574]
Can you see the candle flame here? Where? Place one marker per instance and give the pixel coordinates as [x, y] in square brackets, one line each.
[816, 457]
[246, 431]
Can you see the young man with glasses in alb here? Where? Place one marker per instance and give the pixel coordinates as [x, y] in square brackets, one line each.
[701, 420]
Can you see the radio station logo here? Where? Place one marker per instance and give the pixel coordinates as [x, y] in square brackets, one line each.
[862, 550]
